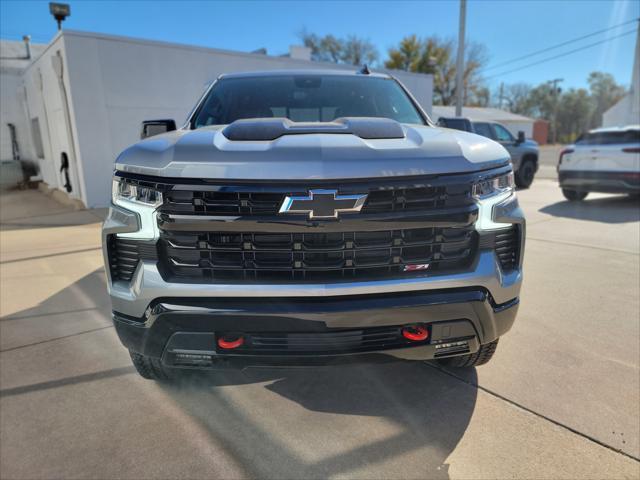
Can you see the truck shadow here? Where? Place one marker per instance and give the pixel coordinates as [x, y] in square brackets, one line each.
[613, 209]
[379, 419]
[399, 419]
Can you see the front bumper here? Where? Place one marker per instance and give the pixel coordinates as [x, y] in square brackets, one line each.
[177, 329]
[598, 181]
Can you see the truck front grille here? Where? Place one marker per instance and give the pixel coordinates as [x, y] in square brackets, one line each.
[248, 201]
[195, 256]
[217, 231]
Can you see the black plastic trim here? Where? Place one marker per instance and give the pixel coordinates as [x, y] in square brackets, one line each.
[455, 217]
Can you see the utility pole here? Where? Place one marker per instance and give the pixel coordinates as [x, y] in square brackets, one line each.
[556, 93]
[460, 59]
[501, 94]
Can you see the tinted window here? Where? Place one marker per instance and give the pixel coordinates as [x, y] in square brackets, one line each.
[312, 98]
[483, 129]
[502, 134]
[609, 138]
[455, 123]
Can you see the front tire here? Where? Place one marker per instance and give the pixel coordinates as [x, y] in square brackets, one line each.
[525, 174]
[149, 367]
[482, 356]
[574, 195]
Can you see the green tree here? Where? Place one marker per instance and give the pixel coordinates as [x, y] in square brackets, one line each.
[574, 113]
[605, 92]
[407, 55]
[438, 57]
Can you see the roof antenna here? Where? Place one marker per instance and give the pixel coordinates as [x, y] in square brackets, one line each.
[365, 70]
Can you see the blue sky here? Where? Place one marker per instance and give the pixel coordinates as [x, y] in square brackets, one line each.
[508, 29]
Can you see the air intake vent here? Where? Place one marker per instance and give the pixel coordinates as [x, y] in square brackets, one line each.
[124, 255]
[507, 243]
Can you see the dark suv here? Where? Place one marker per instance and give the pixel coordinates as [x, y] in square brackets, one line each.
[311, 214]
[524, 152]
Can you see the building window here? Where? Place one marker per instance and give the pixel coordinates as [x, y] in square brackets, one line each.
[37, 137]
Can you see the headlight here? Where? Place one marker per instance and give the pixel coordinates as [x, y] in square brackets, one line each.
[494, 186]
[488, 193]
[124, 189]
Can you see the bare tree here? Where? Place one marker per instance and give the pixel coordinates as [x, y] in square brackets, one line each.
[358, 51]
[352, 50]
[516, 98]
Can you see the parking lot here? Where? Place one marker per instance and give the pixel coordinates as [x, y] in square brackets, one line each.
[559, 400]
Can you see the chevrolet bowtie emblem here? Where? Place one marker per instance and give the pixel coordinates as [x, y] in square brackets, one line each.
[323, 204]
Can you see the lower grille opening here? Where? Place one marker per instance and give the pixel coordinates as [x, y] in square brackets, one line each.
[347, 341]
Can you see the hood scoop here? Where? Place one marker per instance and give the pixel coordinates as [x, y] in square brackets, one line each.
[369, 128]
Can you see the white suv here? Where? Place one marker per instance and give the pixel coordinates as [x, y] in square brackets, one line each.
[603, 160]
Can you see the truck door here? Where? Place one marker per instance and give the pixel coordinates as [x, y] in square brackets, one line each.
[503, 136]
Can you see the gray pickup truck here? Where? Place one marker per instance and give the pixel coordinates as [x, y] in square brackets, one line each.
[524, 153]
[311, 215]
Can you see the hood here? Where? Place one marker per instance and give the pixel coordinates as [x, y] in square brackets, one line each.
[207, 153]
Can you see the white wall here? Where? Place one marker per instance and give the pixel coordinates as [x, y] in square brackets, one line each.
[115, 83]
[515, 126]
[44, 100]
[11, 112]
[13, 61]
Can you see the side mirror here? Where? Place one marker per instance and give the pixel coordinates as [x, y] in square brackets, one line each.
[521, 137]
[156, 127]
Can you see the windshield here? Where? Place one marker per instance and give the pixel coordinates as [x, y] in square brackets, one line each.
[305, 98]
[609, 138]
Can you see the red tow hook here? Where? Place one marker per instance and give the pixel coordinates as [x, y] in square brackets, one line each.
[416, 333]
[226, 344]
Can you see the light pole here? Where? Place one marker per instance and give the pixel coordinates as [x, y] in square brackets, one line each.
[460, 59]
[60, 11]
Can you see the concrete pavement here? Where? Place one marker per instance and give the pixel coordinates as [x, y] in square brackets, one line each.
[559, 400]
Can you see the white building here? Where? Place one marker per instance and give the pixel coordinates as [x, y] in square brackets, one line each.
[627, 110]
[15, 139]
[87, 94]
[512, 121]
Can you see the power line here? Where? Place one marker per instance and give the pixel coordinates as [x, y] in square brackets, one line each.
[553, 47]
[562, 54]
